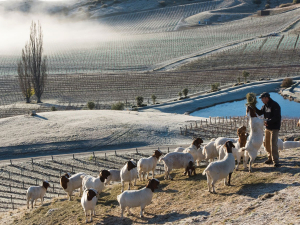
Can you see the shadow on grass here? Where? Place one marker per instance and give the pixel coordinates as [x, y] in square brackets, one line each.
[155, 219]
[258, 189]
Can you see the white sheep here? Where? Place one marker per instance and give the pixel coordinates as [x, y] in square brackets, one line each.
[177, 160]
[291, 144]
[128, 173]
[195, 150]
[179, 149]
[298, 124]
[222, 140]
[279, 144]
[36, 192]
[255, 139]
[69, 184]
[88, 202]
[235, 152]
[220, 169]
[148, 164]
[89, 182]
[137, 198]
[114, 176]
[210, 151]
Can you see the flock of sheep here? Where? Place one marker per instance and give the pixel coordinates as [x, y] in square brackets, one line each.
[227, 150]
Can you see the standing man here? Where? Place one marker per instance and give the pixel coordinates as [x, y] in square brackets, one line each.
[272, 114]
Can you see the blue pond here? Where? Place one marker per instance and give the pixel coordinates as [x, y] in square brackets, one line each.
[289, 109]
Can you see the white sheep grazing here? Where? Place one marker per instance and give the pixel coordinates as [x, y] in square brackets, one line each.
[255, 139]
[177, 160]
[291, 144]
[89, 182]
[114, 176]
[128, 173]
[36, 192]
[210, 151]
[179, 149]
[220, 169]
[195, 150]
[148, 164]
[137, 198]
[88, 202]
[69, 184]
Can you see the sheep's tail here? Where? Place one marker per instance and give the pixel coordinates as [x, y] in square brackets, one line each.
[242, 149]
[204, 172]
[119, 197]
[161, 159]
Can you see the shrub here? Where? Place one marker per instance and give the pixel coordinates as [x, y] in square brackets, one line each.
[245, 75]
[296, 1]
[153, 97]
[215, 86]
[239, 80]
[287, 82]
[179, 94]
[91, 105]
[185, 92]
[53, 108]
[267, 6]
[139, 101]
[118, 106]
[162, 3]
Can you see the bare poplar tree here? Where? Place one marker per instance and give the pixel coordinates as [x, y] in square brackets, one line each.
[33, 63]
[24, 75]
[37, 64]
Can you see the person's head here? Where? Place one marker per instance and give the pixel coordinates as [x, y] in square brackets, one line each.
[265, 97]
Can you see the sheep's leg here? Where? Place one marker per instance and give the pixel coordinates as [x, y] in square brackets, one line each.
[147, 175]
[129, 185]
[86, 220]
[128, 210]
[238, 163]
[225, 181]
[27, 203]
[42, 200]
[122, 183]
[152, 174]
[246, 158]
[250, 163]
[35, 202]
[91, 215]
[122, 211]
[213, 186]
[140, 175]
[197, 162]
[32, 203]
[208, 181]
[229, 178]
[80, 192]
[134, 182]
[142, 209]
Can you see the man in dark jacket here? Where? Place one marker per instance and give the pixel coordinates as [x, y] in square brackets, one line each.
[272, 114]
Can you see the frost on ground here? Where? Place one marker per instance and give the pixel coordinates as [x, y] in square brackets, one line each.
[267, 196]
[67, 130]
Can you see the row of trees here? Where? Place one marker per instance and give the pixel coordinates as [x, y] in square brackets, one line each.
[32, 68]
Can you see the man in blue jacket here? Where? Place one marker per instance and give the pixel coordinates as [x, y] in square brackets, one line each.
[272, 114]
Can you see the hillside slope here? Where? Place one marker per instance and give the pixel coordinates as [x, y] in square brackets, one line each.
[267, 196]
